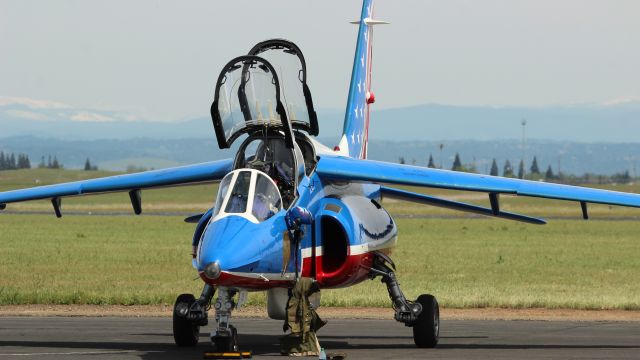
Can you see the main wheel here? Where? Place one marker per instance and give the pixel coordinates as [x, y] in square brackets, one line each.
[185, 332]
[426, 330]
[227, 343]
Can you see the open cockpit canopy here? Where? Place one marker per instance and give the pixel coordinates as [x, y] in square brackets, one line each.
[247, 97]
[254, 93]
[286, 57]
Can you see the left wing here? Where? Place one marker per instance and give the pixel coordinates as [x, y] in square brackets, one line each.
[183, 175]
[349, 169]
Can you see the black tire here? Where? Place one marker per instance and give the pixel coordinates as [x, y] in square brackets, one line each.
[227, 343]
[426, 330]
[185, 332]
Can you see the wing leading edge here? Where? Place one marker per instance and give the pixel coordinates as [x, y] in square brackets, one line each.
[349, 169]
[183, 175]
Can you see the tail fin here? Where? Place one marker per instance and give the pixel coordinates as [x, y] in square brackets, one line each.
[356, 119]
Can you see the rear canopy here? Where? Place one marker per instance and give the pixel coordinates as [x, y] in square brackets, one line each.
[288, 61]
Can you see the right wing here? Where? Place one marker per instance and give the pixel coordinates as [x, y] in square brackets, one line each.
[340, 168]
[133, 183]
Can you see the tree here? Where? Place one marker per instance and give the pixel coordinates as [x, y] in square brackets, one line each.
[494, 168]
[457, 164]
[42, 164]
[507, 171]
[430, 163]
[55, 164]
[401, 160]
[49, 163]
[549, 174]
[621, 177]
[534, 167]
[521, 170]
[2, 161]
[87, 165]
[12, 162]
[23, 161]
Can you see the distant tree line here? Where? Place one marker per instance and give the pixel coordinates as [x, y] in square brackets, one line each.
[10, 161]
[534, 172]
[50, 163]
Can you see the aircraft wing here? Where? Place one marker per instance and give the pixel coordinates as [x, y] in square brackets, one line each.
[183, 175]
[350, 169]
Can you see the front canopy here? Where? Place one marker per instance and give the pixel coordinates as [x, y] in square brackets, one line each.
[247, 193]
[247, 97]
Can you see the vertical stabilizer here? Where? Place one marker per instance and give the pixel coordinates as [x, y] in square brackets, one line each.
[356, 119]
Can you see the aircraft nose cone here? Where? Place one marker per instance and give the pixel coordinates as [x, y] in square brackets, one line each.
[233, 246]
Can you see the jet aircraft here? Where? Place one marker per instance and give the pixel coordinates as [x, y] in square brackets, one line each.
[288, 206]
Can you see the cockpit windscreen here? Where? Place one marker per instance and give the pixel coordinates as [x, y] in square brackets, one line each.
[248, 193]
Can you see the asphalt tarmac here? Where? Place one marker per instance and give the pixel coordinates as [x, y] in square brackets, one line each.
[151, 338]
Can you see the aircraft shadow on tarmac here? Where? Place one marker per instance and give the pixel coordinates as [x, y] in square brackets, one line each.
[269, 345]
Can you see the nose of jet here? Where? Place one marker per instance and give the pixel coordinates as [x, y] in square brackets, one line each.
[228, 244]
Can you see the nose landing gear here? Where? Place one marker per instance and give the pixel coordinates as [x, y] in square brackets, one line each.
[423, 314]
[225, 335]
[189, 315]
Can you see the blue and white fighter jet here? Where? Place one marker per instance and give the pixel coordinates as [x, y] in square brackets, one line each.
[288, 206]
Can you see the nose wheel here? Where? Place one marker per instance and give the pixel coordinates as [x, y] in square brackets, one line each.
[189, 315]
[185, 331]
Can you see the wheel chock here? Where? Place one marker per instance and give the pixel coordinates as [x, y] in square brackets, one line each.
[227, 355]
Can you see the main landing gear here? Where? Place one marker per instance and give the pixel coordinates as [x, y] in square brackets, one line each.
[190, 314]
[423, 314]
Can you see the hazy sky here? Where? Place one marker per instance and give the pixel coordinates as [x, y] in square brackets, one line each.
[159, 59]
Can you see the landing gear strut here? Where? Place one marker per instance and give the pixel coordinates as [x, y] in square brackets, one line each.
[225, 335]
[423, 314]
[189, 314]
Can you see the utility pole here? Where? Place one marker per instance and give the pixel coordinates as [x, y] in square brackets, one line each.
[559, 168]
[524, 144]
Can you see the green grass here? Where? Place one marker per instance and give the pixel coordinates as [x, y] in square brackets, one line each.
[465, 262]
[493, 263]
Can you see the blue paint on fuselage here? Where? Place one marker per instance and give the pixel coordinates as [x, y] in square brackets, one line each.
[239, 245]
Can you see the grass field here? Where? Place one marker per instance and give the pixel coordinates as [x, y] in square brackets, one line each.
[465, 262]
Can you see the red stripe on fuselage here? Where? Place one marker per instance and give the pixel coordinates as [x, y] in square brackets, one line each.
[353, 270]
[246, 282]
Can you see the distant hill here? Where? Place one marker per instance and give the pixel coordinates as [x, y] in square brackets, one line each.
[594, 138]
[116, 154]
[617, 122]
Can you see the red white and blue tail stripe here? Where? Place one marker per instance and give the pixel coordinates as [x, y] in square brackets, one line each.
[356, 119]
